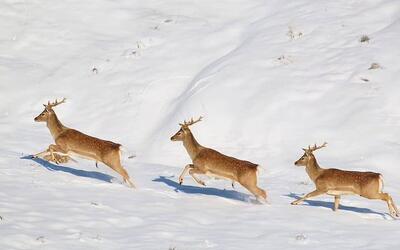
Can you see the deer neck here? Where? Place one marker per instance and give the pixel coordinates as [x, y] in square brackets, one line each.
[313, 169]
[192, 146]
[55, 126]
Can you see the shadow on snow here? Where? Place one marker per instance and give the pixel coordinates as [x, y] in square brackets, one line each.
[77, 172]
[330, 205]
[229, 194]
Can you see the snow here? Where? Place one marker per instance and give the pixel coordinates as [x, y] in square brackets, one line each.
[269, 77]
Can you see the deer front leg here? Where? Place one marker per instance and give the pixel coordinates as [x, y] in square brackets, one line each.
[197, 171]
[54, 149]
[184, 172]
[309, 195]
[50, 154]
[49, 150]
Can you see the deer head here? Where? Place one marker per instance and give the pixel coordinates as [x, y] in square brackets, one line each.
[48, 111]
[308, 154]
[184, 130]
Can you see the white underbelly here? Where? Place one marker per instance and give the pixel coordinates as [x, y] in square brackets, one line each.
[73, 154]
[215, 176]
[339, 192]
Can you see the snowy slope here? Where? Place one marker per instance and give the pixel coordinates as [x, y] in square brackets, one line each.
[270, 77]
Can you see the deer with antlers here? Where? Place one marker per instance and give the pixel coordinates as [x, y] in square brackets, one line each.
[338, 182]
[72, 142]
[212, 163]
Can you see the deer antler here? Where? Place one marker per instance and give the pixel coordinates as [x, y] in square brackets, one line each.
[315, 147]
[51, 105]
[191, 122]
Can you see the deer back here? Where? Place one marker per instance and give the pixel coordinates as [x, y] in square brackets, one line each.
[219, 164]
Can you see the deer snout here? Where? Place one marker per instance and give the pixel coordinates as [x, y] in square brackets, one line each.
[296, 163]
[173, 138]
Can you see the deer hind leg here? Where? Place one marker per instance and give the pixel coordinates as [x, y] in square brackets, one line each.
[41, 154]
[249, 181]
[259, 193]
[309, 195]
[184, 172]
[337, 202]
[394, 212]
[120, 170]
[394, 207]
[115, 164]
[194, 171]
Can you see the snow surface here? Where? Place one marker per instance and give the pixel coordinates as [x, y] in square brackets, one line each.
[269, 77]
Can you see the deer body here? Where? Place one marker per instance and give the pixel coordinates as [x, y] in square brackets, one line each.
[69, 142]
[338, 182]
[215, 164]
[212, 163]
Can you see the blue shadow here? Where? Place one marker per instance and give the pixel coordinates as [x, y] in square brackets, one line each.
[330, 205]
[229, 194]
[80, 173]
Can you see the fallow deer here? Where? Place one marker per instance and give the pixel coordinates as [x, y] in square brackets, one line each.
[210, 162]
[72, 142]
[338, 182]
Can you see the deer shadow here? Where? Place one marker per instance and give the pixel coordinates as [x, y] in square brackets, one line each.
[78, 172]
[330, 205]
[229, 194]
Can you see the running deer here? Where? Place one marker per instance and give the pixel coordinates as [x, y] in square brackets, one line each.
[338, 182]
[72, 142]
[210, 162]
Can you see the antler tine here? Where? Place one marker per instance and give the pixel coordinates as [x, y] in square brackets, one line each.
[315, 147]
[55, 103]
[191, 122]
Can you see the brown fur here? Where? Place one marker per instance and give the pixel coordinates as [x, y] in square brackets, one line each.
[338, 182]
[70, 141]
[210, 162]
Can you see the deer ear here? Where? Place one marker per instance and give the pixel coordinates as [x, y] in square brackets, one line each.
[305, 150]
